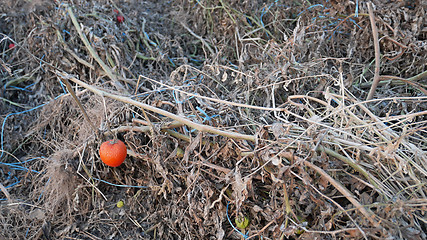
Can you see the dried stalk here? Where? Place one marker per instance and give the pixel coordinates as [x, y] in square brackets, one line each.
[198, 126]
[6, 193]
[214, 99]
[345, 192]
[377, 53]
[73, 94]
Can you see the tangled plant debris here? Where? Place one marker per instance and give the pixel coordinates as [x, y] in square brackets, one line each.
[242, 120]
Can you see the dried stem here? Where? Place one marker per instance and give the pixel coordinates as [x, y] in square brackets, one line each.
[377, 53]
[214, 99]
[73, 94]
[345, 192]
[200, 127]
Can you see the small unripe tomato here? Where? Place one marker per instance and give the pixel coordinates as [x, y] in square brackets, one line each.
[242, 222]
[180, 153]
[120, 204]
[113, 152]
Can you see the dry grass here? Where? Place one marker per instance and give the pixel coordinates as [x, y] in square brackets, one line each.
[228, 110]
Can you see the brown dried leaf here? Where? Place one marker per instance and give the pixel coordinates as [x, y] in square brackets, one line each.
[240, 191]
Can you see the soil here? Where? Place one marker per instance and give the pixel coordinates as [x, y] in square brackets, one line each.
[242, 119]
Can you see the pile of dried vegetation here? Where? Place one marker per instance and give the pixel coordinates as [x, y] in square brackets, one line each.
[242, 119]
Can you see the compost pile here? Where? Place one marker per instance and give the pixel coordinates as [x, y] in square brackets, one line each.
[242, 119]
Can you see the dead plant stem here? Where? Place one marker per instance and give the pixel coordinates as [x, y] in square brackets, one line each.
[6, 193]
[377, 53]
[73, 94]
[344, 191]
[214, 99]
[198, 126]
[348, 161]
[200, 38]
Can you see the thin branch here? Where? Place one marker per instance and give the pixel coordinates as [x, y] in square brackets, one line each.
[354, 165]
[198, 126]
[73, 94]
[377, 53]
[200, 38]
[6, 193]
[418, 77]
[345, 192]
[214, 99]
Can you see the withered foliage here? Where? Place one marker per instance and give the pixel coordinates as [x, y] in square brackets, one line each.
[291, 75]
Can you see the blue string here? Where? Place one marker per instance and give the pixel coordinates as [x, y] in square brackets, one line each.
[262, 14]
[11, 114]
[188, 80]
[15, 199]
[149, 40]
[249, 21]
[312, 6]
[63, 87]
[356, 13]
[229, 220]
[13, 184]
[355, 23]
[32, 84]
[146, 94]
[17, 167]
[24, 88]
[19, 88]
[65, 31]
[196, 60]
[174, 94]
[41, 60]
[171, 61]
[207, 117]
[233, 65]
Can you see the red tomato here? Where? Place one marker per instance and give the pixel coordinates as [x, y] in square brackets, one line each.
[120, 18]
[113, 152]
